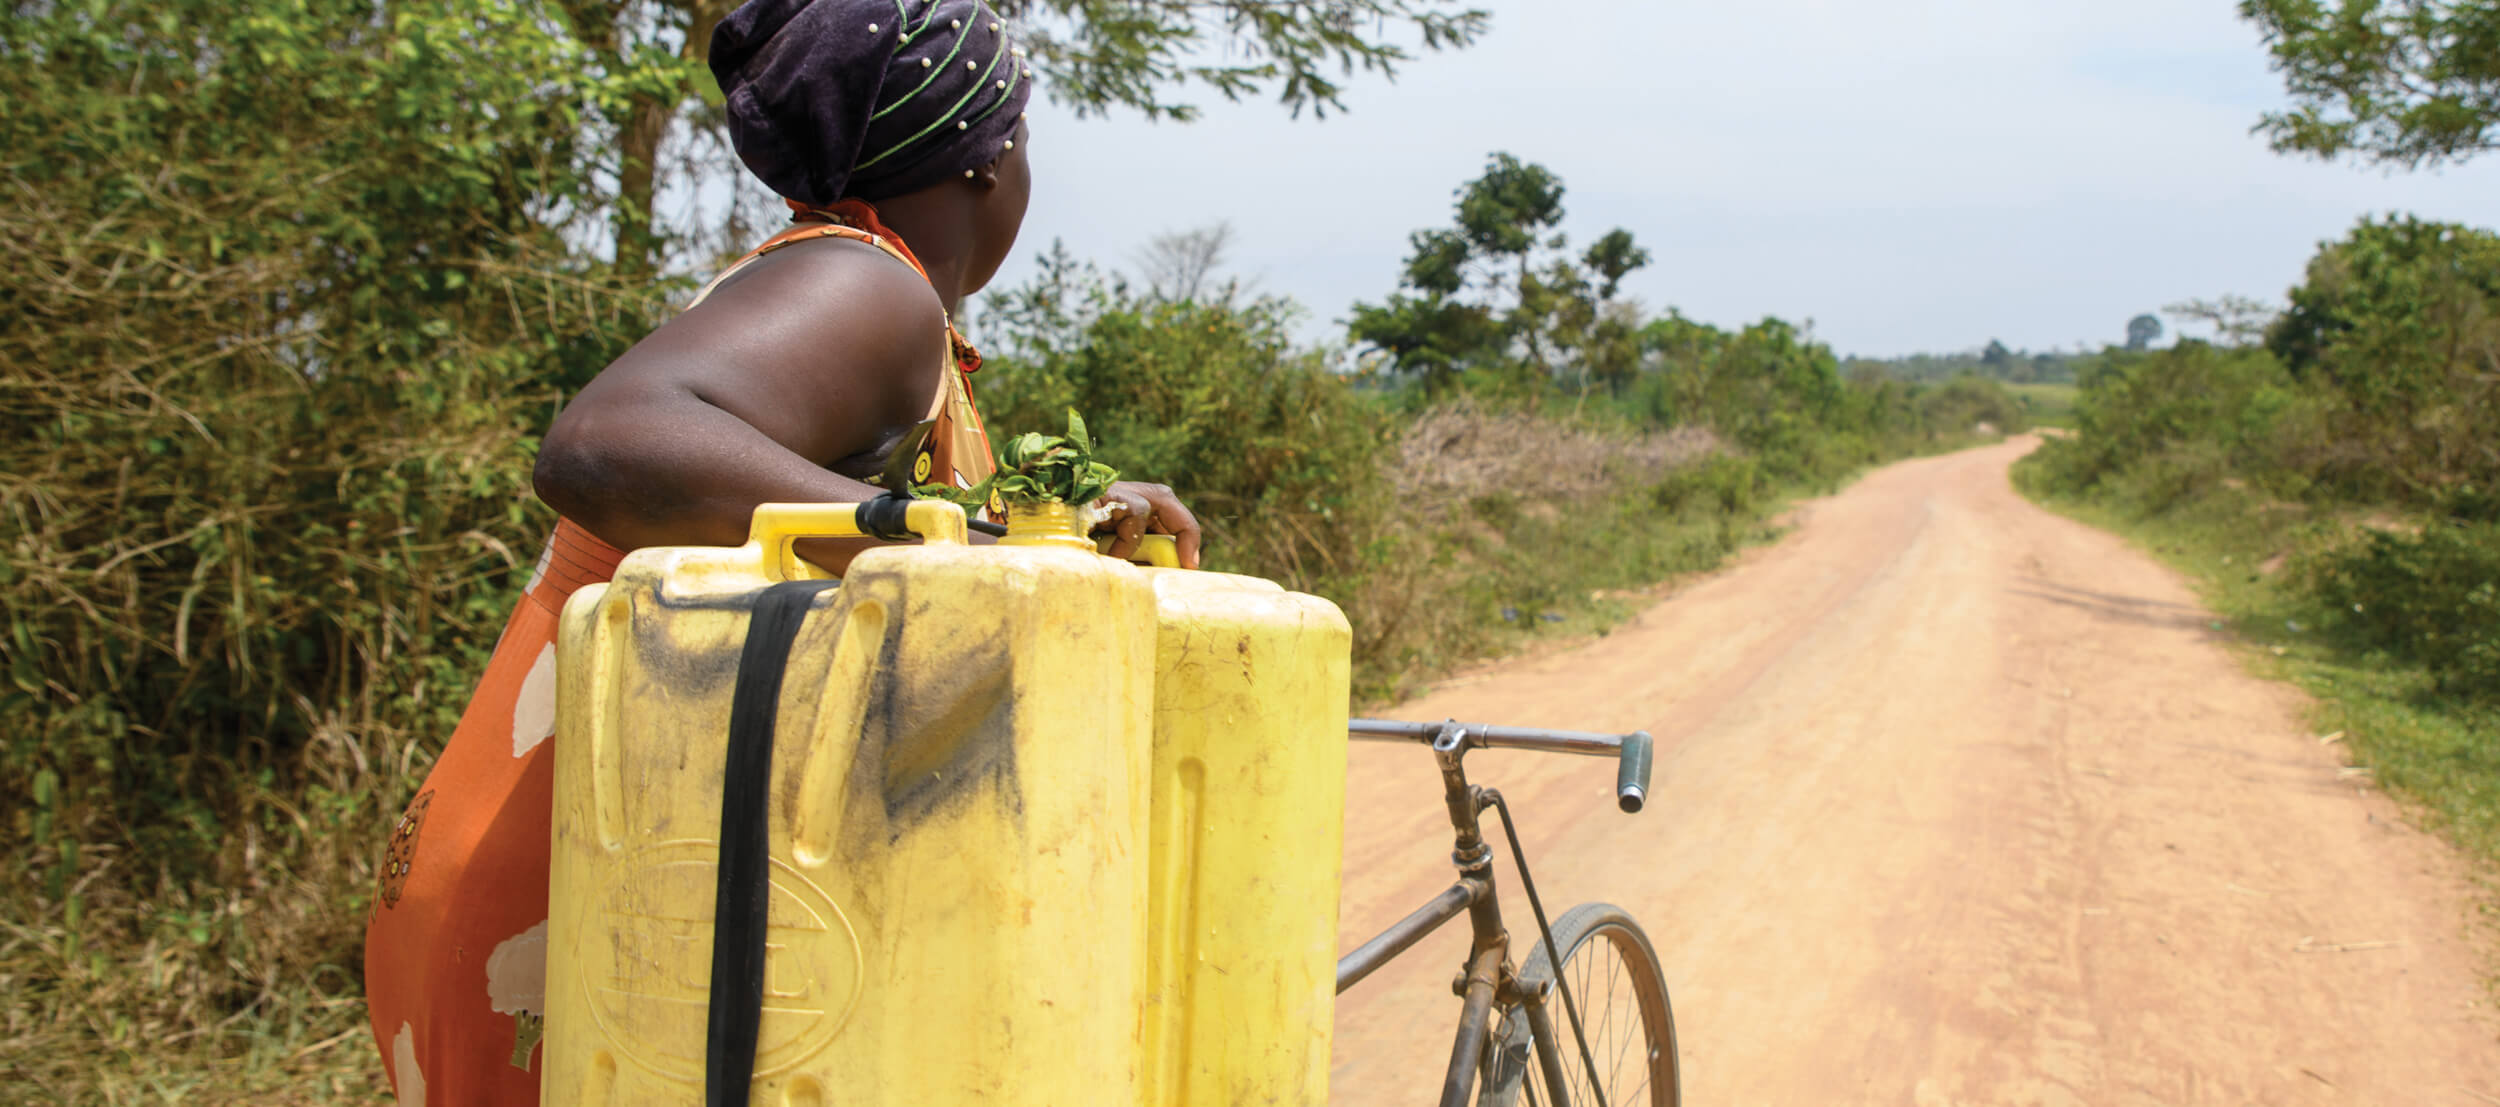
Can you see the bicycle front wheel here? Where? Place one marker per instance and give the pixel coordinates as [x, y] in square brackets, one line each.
[1614, 976]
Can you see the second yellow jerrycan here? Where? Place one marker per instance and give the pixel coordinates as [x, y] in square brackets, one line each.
[952, 892]
[1248, 816]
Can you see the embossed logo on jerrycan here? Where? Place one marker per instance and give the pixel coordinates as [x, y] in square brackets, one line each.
[957, 832]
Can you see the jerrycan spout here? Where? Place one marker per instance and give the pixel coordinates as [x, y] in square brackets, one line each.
[1049, 525]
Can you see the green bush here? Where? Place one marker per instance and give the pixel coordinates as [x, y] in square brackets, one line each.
[2400, 320]
[2431, 598]
[2221, 411]
[1731, 485]
[273, 378]
[1280, 458]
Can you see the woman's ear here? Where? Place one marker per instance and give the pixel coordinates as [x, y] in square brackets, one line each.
[986, 177]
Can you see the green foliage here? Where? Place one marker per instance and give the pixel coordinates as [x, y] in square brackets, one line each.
[2430, 598]
[1097, 55]
[2012, 367]
[286, 298]
[2375, 386]
[2231, 410]
[2142, 332]
[288, 288]
[1613, 256]
[2398, 82]
[2400, 321]
[1538, 314]
[2354, 450]
[1272, 451]
[1037, 468]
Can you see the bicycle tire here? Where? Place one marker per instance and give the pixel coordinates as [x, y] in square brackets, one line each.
[1614, 975]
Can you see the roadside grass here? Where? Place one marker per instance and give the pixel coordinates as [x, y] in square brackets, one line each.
[2434, 751]
[2050, 405]
[1519, 572]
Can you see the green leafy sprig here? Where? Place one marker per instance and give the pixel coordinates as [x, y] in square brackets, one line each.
[1037, 468]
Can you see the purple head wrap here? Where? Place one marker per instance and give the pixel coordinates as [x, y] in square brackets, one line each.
[832, 99]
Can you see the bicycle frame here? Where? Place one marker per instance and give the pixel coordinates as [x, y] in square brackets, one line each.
[1488, 977]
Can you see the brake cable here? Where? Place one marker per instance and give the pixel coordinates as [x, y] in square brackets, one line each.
[1519, 861]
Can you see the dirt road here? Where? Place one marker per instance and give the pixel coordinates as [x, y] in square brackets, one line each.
[1957, 802]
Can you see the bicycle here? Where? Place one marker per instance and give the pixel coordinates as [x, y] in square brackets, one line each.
[1505, 1022]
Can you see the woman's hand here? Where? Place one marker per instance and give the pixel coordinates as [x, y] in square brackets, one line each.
[1139, 509]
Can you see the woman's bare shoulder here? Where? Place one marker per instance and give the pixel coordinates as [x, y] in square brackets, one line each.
[824, 346]
[831, 280]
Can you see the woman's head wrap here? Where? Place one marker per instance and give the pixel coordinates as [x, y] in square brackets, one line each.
[830, 99]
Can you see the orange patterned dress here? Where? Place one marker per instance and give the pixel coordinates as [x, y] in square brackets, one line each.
[456, 951]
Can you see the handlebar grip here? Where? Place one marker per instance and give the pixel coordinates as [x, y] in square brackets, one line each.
[1632, 772]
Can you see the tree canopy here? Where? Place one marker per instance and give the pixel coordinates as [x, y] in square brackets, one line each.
[1499, 291]
[2143, 331]
[2406, 83]
[1103, 55]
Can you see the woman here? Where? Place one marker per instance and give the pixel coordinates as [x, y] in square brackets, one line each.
[895, 129]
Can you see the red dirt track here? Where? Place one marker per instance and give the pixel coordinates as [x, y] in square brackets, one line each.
[1957, 802]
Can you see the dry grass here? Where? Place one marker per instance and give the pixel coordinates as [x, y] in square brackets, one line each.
[134, 981]
[1452, 455]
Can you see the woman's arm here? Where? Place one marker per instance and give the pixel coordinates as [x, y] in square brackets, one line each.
[815, 354]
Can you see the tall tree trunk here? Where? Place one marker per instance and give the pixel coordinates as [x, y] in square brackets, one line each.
[638, 242]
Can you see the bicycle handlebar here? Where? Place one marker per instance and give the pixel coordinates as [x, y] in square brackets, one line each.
[1631, 751]
[1632, 772]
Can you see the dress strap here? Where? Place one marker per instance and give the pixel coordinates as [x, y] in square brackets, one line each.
[851, 219]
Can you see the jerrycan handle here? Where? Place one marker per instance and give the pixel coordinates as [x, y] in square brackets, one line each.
[1161, 551]
[777, 526]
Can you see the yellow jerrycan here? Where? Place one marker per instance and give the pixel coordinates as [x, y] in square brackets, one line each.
[945, 894]
[1248, 817]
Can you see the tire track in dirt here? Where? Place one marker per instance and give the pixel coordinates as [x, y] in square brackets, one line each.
[1957, 802]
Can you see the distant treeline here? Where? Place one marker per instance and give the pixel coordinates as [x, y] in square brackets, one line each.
[1992, 362]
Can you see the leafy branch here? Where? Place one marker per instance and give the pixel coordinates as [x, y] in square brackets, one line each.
[1038, 468]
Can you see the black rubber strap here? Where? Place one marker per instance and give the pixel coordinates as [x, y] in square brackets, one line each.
[738, 910]
[883, 517]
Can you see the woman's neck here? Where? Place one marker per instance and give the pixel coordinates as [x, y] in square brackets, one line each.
[937, 229]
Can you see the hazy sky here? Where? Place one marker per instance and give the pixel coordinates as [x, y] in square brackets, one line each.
[1911, 175]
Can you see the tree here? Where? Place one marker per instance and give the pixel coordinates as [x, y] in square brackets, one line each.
[2401, 320]
[1996, 357]
[2398, 82]
[1180, 266]
[1100, 55]
[2236, 320]
[1530, 294]
[1096, 56]
[2142, 332]
[1431, 337]
[1613, 256]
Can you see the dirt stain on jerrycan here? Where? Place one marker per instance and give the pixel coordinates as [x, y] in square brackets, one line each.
[958, 839]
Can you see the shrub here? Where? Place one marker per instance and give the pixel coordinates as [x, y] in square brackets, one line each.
[2431, 598]
[2401, 321]
[272, 382]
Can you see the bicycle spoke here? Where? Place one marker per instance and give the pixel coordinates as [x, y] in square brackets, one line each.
[1614, 1057]
[1578, 1072]
[1624, 1030]
[1642, 1039]
[1613, 974]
